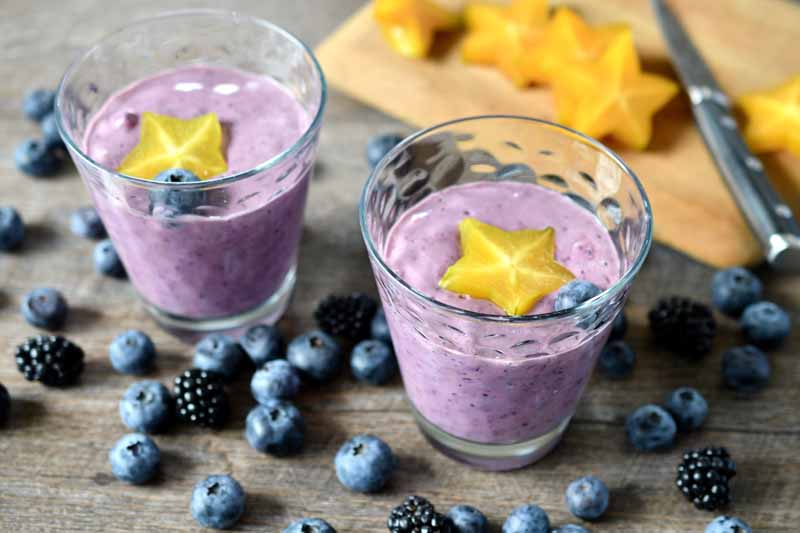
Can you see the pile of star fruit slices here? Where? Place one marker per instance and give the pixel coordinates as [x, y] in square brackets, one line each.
[594, 71]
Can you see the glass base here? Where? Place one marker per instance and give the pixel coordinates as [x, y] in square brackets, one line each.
[493, 457]
[193, 329]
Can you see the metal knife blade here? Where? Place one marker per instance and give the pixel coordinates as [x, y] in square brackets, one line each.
[768, 215]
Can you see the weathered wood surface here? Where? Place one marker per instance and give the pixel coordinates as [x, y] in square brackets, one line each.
[54, 472]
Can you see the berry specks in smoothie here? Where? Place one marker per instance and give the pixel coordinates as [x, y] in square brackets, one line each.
[130, 120]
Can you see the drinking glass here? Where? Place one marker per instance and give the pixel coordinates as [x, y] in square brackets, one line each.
[494, 391]
[230, 261]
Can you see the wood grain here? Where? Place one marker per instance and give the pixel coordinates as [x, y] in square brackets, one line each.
[693, 208]
[54, 472]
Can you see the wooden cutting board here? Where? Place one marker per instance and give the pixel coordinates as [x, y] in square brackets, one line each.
[749, 44]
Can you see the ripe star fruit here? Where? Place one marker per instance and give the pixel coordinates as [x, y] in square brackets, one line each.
[512, 269]
[167, 142]
[773, 117]
[612, 96]
[567, 38]
[409, 26]
[503, 35]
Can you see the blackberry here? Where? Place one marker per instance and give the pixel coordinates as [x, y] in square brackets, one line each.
[683, 325]
[51, 359]
[200, 398]
[417, 515]
[704, 477]
[347, 316]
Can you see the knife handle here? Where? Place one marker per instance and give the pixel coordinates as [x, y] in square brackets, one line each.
[770, 219]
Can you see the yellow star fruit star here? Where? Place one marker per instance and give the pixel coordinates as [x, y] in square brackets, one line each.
[167, 142]
[566, 39]
[612, 96]
[512, 269]
[502, 35]
[410, 25]
[773, 118]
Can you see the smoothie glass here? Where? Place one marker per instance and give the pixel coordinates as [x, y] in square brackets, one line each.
[494, 391]
[231, 261]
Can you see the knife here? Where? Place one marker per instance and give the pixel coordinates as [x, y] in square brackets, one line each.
[769, 217]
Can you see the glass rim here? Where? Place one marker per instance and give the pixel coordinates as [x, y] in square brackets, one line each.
[278, 158]
[624, 280]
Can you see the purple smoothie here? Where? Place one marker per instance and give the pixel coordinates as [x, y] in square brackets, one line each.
[231, 255]
[479, 380]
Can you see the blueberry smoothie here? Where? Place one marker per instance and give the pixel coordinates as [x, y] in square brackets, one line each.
[471, 378]
[237, 249]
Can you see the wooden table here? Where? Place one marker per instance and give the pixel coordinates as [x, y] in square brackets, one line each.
[54, 471]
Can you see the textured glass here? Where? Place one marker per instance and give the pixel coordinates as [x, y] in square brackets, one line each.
[490, 378]
[261, 260]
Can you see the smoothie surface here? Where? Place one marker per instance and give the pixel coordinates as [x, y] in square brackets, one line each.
[260, 119]
[424, 241]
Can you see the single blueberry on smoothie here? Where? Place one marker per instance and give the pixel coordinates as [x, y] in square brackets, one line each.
[192, 258]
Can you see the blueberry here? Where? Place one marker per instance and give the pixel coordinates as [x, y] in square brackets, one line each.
[85, 222]
[379, 328]
[734, 289]
[38, 103]
[34, 158]
[765, 324]
[310, 525]
[219, 353]
[575, 293]
[176, 201]
[106, 260]
[5, 405]
[619, 327]
[587, 498]
[218, 502]
[262, 343]
[688, 408]
[651, 428]
[468, 519]
[570, 528]
[728, 524]
[364, 463]
[45, 308]
[380, 145]
[50, 135]
[277, 379]
[315, 354]
[527, 519]
[276, 427]
[373, 362]
[12, 229]
[745, 369]
[132, 352]
[146, 407]
[135, 458]
[617, 359]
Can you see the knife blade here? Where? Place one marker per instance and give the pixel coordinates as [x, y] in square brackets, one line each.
[769, 217]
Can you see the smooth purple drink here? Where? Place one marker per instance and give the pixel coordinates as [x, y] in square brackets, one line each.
[219, 254]
[235, 261]
[492, 390]
[491, 399]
